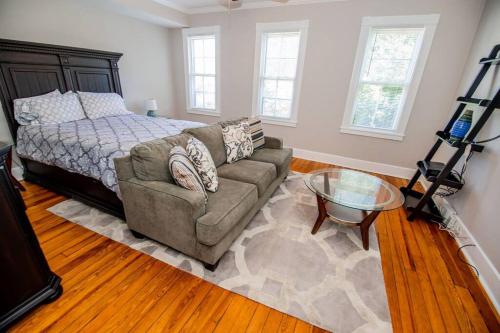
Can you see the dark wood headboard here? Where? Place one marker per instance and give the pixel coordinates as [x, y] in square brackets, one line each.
[30, 69]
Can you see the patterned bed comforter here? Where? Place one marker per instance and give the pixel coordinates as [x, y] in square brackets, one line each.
[88, 146]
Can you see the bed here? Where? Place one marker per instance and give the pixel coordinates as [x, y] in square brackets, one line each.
[73, 158]
[88, 146]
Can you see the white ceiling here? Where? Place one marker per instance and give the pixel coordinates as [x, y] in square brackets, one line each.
[207, 6]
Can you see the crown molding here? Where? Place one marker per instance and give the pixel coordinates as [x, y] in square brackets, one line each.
[244, 6]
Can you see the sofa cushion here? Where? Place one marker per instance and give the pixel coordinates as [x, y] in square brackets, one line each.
[150, 159]
[225, 208]
[279, 157]
[211, 136]
[258, 173]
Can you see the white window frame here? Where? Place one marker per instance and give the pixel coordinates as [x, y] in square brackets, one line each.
[289, 26]
[200, 31]
[428, 23]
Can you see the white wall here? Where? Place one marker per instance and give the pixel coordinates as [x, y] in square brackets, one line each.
[333, 34]
[477, 204]
[144, 68]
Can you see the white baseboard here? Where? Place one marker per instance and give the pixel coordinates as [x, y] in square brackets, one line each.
[348, 162]
[489, 277]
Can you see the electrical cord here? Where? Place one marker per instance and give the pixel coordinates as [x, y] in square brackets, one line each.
[465, 261]
[488, 140]
[446, 191]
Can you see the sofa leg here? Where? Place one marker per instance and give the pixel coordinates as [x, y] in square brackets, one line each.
[137, 234]
[211, 267]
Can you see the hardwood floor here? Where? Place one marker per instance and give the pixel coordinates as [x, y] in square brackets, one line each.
[110, 287]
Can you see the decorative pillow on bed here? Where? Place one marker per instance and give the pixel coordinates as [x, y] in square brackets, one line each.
[56, 109]
[203, 163]
[22, 108]
[238, 141]
[183, 171]
[98, 105]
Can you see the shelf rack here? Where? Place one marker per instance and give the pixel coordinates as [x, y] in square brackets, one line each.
[419, 204]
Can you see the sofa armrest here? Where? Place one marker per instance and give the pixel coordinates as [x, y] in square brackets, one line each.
[272, 142]
[161, 210]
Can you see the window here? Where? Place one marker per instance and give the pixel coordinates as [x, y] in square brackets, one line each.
[389, 63]
[279, 59]
[201, 65]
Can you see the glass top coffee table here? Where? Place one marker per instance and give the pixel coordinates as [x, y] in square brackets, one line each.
[352, 197]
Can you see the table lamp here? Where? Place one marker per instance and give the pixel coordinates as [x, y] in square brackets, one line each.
[151, 106]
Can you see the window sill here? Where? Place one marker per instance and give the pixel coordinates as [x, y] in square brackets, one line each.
[204, 112]
[373, 133]
[279, 122]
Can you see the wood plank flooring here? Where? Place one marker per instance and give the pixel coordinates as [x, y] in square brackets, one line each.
[109, 287]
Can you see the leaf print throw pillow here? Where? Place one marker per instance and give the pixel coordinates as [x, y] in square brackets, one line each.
[237, 141]
[203, 163]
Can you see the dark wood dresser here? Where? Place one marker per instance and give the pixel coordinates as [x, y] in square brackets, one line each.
[26, 280]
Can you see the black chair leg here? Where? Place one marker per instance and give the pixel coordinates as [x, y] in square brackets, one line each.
[211, 267]
[137, 234]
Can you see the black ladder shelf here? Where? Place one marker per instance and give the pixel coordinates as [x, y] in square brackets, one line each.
[419, 204]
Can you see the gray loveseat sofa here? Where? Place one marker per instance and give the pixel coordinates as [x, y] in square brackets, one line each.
[157, 208]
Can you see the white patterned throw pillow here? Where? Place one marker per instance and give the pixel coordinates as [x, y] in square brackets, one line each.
[238, 141]
[98, 105]
[183, 171]
[56, 109]
[22, 109]
[203, 163]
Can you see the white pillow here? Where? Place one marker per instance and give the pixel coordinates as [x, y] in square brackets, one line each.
[203, 163]
[22, 110]
[57, 109]
[238, 141]
[98, 105]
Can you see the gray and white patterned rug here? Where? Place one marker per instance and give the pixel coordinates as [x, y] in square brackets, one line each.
[325, 279]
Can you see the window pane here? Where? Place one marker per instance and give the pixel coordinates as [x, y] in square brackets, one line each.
[198, 100]
[283, 108]
[209, 48]
[377, 105]
[198, 66]
[209, 84]
[395, 44]
[279, 67]
[390, 55]
[197, 47]
[287, 68]
[198, 83]
[209, 100]
[387, 70]
[209, 66]
[285, 89]
[269, 87]
[268, 107]
[272, 67]
[290, 46]
[273, 45]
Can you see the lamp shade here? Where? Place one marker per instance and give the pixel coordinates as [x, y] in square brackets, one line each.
[150, 105]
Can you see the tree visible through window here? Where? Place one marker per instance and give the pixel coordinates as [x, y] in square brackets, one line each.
[387, 71]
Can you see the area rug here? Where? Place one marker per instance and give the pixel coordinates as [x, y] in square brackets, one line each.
[326, 279]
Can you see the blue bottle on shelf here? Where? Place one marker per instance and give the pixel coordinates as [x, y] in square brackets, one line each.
[461, 126]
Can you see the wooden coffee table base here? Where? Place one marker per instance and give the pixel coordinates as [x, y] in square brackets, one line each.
[364, 225]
